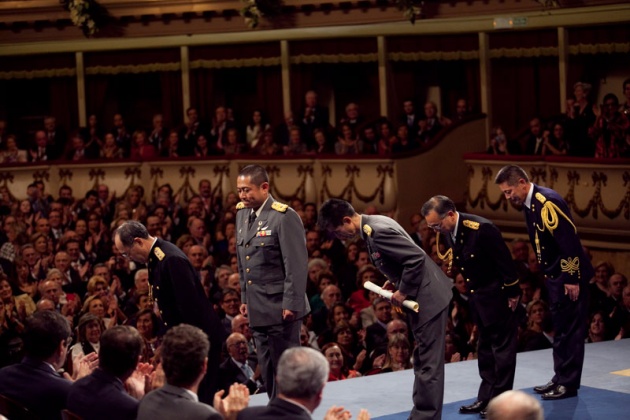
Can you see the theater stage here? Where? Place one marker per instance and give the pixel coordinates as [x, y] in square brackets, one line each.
[605, 392]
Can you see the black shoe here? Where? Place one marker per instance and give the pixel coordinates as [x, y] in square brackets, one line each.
[543, 389]
[473, 408]
[560, 392]
[483, 413]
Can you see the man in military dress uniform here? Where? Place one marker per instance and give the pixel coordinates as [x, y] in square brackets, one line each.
[272, 263]
[478, 249]
[416, 277]
[176, 288]
[567, 270]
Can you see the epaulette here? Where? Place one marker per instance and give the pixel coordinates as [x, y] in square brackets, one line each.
[158, 253]
[540, 198]
[240, 206]
[282, 208]
[368, 230]
[471, 225]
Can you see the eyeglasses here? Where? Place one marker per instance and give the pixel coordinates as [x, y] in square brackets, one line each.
[435, 226]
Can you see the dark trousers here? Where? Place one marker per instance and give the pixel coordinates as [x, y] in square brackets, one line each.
[271, 341]
[570, 327]
[497, 356]
[428, 368]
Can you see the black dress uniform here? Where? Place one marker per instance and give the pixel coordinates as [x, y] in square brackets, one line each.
[176, 288]
[273, 269]
[485, 262]
[554, 237]
[413, 273]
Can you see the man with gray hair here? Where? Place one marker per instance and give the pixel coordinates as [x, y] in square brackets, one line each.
[302, 375]
[515, 405]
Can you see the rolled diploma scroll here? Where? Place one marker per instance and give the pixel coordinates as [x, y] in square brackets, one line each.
[387, 294]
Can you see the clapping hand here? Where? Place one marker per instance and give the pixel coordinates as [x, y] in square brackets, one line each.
[231, 405]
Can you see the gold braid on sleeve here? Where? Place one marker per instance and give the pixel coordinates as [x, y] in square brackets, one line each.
[447, 256]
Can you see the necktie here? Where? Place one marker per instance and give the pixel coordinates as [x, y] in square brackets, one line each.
[248, 371]
[252, 218]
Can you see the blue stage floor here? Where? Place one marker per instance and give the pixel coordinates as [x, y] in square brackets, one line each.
[604, 394]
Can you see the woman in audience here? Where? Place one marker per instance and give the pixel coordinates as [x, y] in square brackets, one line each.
[359, 300]
[148, 325]
[555, 143]
[397, 356]
[202, 149]
[322, 145]
[233, 146]
[89, 331]
[580, 118]
[345, 336]
[338, 369]
[267, 146]
[12, 154]
[597, 328]
[43, 246]
[255, 129]
[134, 200]
[598, 288]
[98, 243]
[24, 216]
[184, 242]
[141, 149]
[23, 280]
[95, 306]
[10, 339]
[110, 149]
[347, 141]
[498, 142]
[170, 148]
[21, 305]
[610, 128]
[533, 338]
[386, 139]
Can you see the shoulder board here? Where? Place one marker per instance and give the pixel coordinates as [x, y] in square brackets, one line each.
[240, 206]
[159, 253]
[471, 225]
[540, 197]
[368, 230]
[282, 208]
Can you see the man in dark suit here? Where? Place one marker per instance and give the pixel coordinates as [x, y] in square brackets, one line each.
[40, 151]
[56, 138]
[302, 375]
[535, 140]
[376, 334]
[236, 369]
[567, 269]
[176, 288]
[102, 394]
[34, 382]
[272, 264]
[410, 118]
[312, 116]
[184, 359]
[479, 251]
[416, 277]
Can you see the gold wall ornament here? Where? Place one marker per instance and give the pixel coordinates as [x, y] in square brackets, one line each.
[156, 174]
[96, 175]
[65, 175]
[350, 190]
[41, 175]
[596, 203]
[482, 199]
[537, 175]
[300, 191]
[186, 191]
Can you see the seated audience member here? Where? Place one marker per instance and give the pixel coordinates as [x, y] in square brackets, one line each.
[295, 146]
[536, 336]
[315, 266]
[623, 314]
[376, 334]
[515, 405]
[89, 334]
[345, 336]
[110, 149]
[617, 284]
[358, 299]
[322, 145]
[431, 124]
[534, 142]
[330, 296]
[267, 146]
[555, 143]
[236, 368]
[302, 375]
[102, 394]
[20, 305]
[598, 288]
[347, 141]
[34, 382]
[397, 357]
[185, 360]
[324, 279]
[11, 153]
[462, 110]
[338, 369]
[597, 330]
[404, 143]
[386, 139]
[498, 142]
[230, 304]
[148, 325]
[580, 119]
